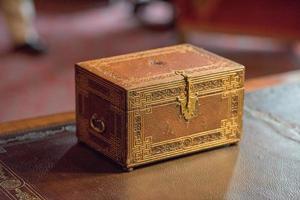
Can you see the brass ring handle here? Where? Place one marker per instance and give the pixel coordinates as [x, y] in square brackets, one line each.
[97, 124]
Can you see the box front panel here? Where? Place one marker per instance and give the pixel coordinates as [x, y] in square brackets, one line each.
[161, 128]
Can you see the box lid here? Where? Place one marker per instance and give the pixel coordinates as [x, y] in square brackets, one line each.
[146, 68]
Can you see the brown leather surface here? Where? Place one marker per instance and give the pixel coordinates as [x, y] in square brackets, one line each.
[265, 165]
[157, 66]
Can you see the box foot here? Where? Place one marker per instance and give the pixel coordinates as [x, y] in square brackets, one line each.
[130, 169]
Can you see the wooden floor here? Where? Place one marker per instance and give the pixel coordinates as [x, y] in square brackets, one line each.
[34, 86]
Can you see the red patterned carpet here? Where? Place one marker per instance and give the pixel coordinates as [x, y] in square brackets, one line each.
[32, 86]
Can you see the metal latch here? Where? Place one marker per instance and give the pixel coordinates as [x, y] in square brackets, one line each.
[189, 100]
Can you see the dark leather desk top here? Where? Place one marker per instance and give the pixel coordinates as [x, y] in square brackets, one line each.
[265, 165]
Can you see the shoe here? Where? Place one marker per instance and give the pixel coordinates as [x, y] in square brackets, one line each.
[32, 48]
[159, 14]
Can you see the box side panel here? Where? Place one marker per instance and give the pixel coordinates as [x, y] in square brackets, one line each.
[100, 117]
[159, 128]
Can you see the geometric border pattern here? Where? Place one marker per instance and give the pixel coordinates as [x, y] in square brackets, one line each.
[15, 187]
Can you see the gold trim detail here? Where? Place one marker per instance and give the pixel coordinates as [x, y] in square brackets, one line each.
[15, 187]
[165, 93]
[192, 142]
[230, 128]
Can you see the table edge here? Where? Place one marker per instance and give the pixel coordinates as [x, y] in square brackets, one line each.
[12, 128]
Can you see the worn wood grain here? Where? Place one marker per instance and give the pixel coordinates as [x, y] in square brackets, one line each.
[25, 125]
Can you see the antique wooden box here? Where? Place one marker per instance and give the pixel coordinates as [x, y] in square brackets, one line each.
[157, 104]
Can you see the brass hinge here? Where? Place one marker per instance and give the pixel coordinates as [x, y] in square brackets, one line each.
[188, 101]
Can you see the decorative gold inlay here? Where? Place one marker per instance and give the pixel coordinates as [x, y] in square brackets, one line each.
[188, 101]
[15, 187]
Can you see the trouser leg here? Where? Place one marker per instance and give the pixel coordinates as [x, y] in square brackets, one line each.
[20, 16]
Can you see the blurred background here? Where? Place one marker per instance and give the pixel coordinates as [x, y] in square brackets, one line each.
[41, 40]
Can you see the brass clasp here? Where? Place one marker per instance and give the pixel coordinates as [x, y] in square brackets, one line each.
[189, 101]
